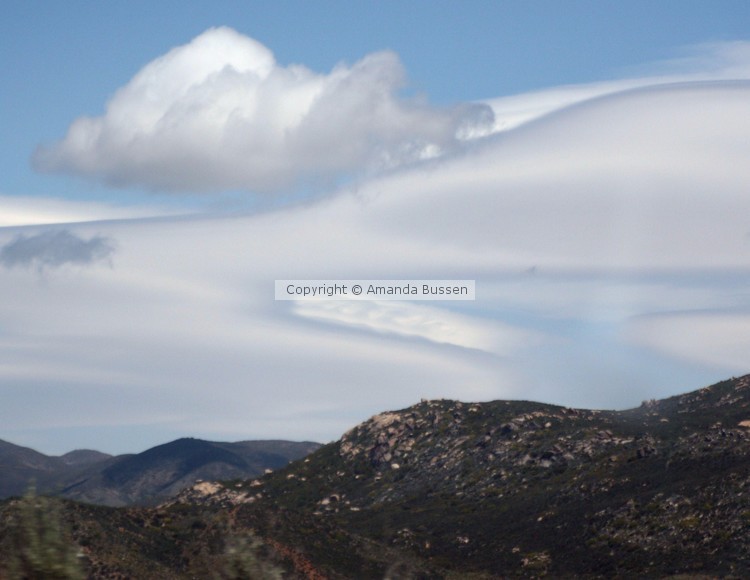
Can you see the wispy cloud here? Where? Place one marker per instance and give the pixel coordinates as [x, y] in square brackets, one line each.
[221, 114]
[17, 210]
[55, 248]
[415, 320]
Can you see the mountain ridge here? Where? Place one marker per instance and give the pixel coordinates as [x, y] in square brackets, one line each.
[147, 477]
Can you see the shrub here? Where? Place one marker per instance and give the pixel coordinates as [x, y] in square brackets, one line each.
[38, 546]
[243, 561]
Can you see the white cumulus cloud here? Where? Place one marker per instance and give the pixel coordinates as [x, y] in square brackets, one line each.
[221, 114]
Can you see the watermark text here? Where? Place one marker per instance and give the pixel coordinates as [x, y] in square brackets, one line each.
[375, 290]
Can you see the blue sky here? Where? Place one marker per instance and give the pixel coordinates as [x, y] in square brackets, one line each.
[585, 162]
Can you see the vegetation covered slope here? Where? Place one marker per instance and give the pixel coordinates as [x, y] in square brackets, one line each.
[478, 490]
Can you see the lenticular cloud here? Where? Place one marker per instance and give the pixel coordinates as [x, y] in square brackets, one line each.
[220, 113]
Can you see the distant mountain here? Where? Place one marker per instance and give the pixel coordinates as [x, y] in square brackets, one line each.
[21, 465]
[84, 457]
[162, 471]
[446, 489]
[144, 478]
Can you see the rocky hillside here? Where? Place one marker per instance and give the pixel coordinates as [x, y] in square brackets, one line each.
[446, 489]
[519, 488]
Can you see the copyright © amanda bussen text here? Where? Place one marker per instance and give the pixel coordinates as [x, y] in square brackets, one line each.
[374, 290]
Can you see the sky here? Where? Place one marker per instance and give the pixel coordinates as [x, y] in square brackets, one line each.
[162, 164]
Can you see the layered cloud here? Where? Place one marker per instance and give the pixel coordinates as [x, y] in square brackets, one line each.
[221, 114]
[414, 320]
[722, 61]
[635, 180]
[27, 210]
[608, 238]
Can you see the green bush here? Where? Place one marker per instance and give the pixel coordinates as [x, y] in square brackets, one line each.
[243, 561]
[38, 546]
